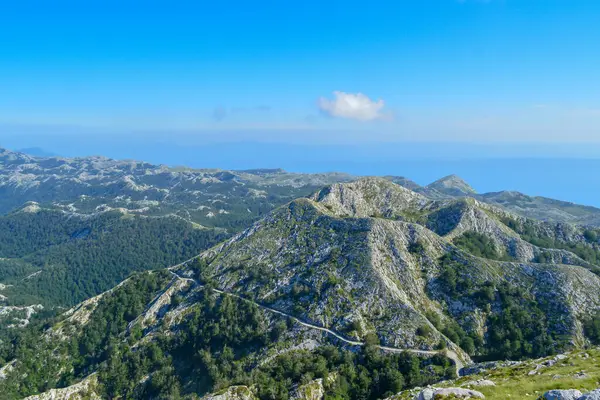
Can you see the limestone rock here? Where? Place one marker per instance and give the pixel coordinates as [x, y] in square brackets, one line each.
[593, 395]
[311, 391]
[570, 394]
[425, 394]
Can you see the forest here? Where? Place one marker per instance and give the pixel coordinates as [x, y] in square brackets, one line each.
[216, 345]
[82, 257]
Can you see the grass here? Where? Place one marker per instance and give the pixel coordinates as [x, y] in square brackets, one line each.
[513, 382]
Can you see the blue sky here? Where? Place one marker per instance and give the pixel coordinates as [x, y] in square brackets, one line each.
[446, 70]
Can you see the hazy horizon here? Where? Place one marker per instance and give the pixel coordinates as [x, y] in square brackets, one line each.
[448, 70]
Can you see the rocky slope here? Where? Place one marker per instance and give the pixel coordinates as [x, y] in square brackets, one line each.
[448, 186]
[365, 264]
[346, 259]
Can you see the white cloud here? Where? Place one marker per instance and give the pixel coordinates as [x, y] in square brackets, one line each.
[352, 106]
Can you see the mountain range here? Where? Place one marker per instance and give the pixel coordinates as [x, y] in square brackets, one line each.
[303, 286]
[87, 185]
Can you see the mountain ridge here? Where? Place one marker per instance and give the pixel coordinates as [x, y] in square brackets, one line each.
[195, 194]
[369, 259]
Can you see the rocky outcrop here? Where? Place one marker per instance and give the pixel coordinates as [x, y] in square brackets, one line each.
[161, 304]
[481, 382]
[369, 197]
[84, 390]
[311, 391]
[7, 369]
[571, 394]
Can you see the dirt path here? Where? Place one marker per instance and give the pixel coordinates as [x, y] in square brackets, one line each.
[448, 353]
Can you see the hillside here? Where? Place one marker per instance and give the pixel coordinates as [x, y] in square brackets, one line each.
[543, 208]
[574, 373]
[371, 256]
[535, 207]
[367, 273]
[61, 259]
[71, 228]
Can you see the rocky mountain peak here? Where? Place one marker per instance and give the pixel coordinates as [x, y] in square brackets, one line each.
[369, 197]
[452, 185]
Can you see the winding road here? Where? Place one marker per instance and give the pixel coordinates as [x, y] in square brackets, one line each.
[448, 353]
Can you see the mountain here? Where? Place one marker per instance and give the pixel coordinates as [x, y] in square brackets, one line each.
[71, 228]
[404, 182]
[451, 185]
[543, 208]
[212, 198]
[535, 207]
[386, 249]
[360, 290]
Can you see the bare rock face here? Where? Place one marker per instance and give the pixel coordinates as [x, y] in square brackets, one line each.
[369, 197]
[425, 394]
[6, 369]
[570, 394]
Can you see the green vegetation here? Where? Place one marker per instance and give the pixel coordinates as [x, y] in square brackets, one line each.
[480, 246]
[591, 328]
[453, 331]
[57, 362]
[216, 345]
[520, 329]
[578, 370]
[591, 235]
[517, 326]
[82, 257]
[417, 247]
[589, 252]
[367, 374]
